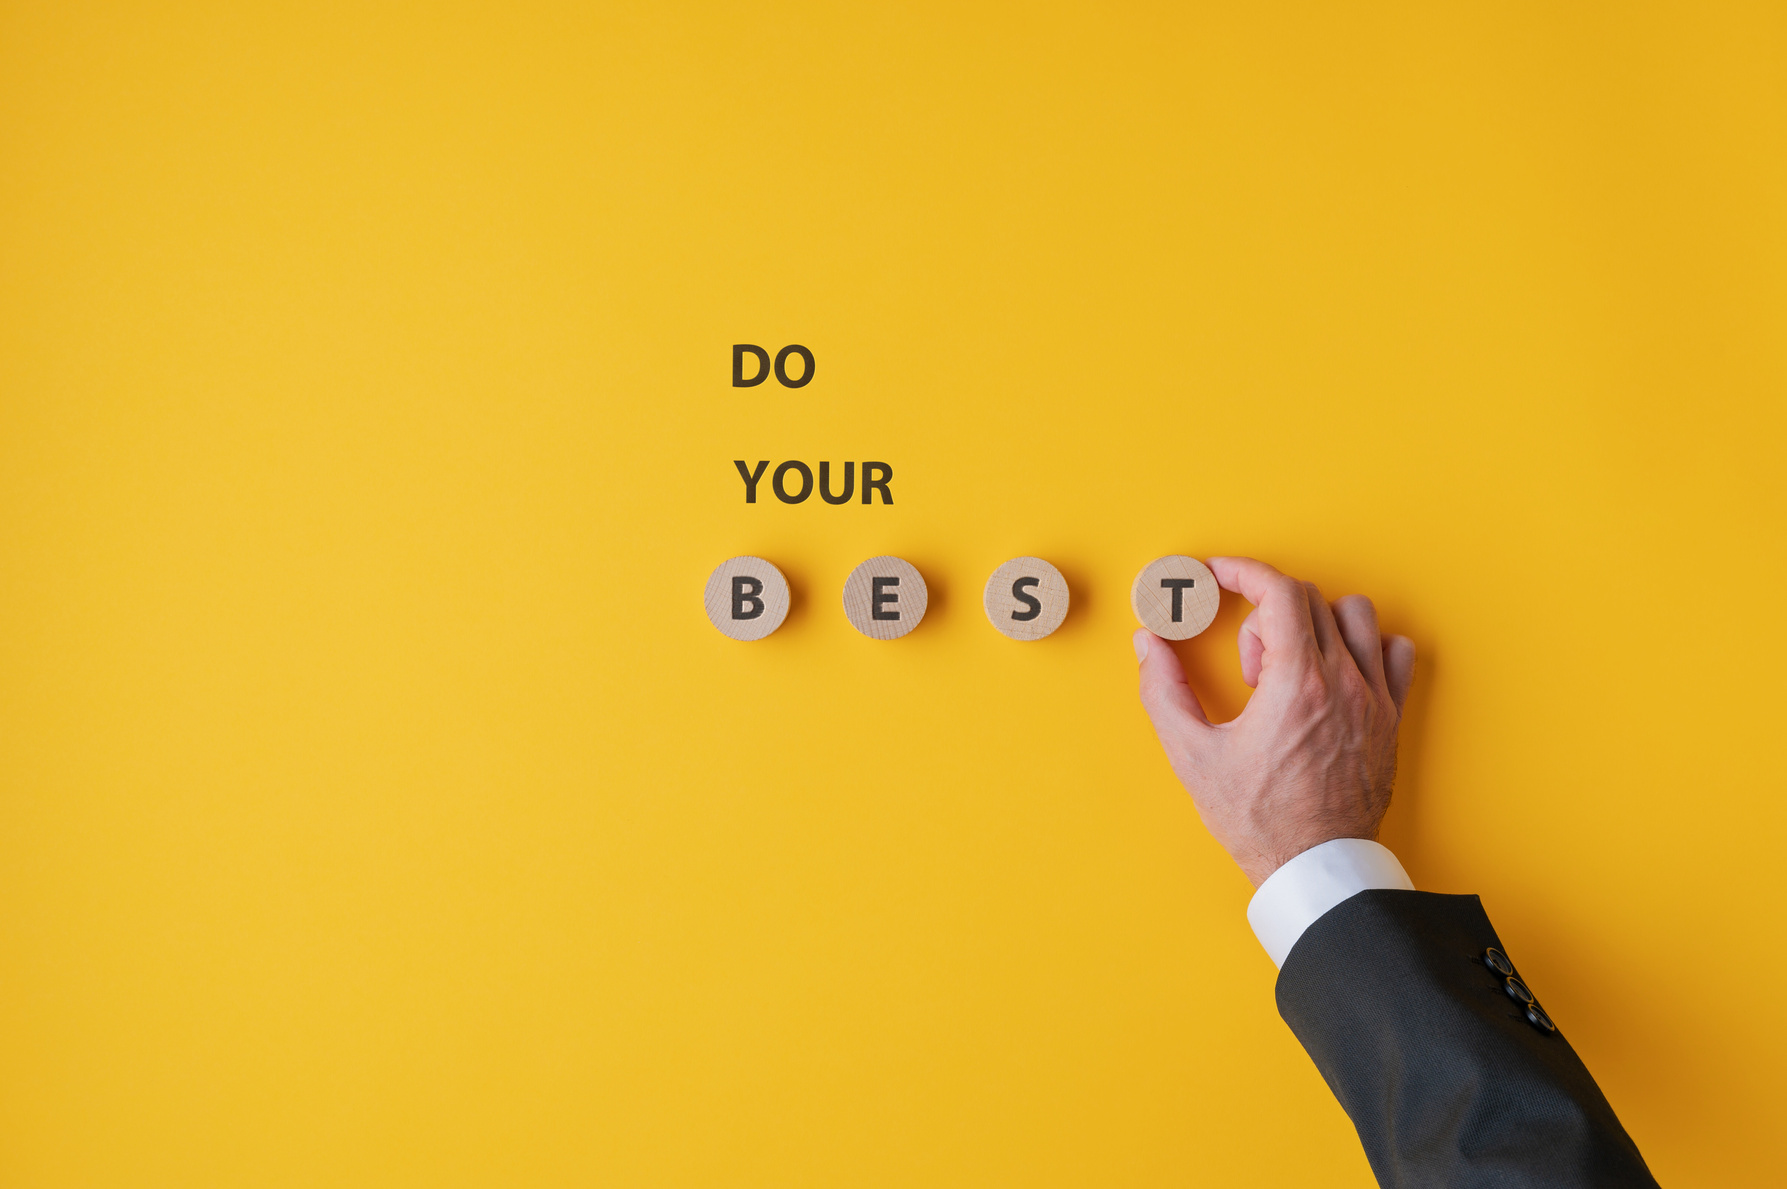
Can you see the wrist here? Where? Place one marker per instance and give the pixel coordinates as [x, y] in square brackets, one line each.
[1262, 862]
[1300, 891]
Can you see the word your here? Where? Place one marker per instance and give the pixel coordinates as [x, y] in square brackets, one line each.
[740, 350]
[875, 478]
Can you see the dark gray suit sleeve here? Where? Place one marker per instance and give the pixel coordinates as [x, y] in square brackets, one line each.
[1442, 1072]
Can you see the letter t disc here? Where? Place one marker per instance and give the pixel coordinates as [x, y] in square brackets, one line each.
[1175, 597]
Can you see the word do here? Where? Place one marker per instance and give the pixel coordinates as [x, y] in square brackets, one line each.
[740, 350]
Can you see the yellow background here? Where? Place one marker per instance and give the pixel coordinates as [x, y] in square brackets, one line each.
[379, 808]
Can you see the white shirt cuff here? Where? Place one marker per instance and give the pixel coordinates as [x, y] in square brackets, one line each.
[1296, 895]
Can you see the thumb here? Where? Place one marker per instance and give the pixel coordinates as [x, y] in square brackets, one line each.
[1174, 710]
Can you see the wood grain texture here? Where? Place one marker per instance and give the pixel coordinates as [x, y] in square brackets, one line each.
[1151, 596]
[884, 598]
[1026, 598]
[751, 607]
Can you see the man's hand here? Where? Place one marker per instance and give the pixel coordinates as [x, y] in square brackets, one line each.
[1313, 756]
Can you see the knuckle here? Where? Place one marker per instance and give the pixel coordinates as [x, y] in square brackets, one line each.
[1286, 587]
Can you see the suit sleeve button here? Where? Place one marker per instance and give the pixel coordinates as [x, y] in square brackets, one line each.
[1519, 992]
[1535, 1015]
[1498, 962]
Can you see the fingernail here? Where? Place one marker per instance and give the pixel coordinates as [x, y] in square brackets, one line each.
[1140, 640]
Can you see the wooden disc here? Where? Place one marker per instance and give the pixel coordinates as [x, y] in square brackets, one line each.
[746, 598]
[1175, 597]
[1026, 598]
[884, 598]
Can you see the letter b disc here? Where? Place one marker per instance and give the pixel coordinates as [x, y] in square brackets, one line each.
[746, 598]
[1175, 597]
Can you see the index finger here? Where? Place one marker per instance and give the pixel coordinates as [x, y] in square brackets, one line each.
[1282, 620]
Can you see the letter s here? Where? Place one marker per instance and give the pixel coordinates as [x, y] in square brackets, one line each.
[1032, 604]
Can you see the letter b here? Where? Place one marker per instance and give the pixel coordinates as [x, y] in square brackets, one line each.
[745, 603]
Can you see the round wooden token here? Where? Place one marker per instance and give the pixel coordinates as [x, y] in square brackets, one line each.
[884, 598]
[746, 598]
[1175, 597]
[1026, 598]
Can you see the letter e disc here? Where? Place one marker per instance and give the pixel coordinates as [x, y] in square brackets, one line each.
[746, 598]
[1026, 598]
[884, 598]
[1175, 597]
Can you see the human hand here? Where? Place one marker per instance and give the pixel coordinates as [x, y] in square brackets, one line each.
[1313, 755]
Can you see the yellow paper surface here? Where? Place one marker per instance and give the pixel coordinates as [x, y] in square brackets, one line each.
[377, 806]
